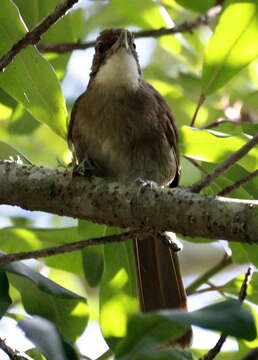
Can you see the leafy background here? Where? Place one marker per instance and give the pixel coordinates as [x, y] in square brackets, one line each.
[36, 94]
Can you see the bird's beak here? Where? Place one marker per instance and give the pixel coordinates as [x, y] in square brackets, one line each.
[122, 41]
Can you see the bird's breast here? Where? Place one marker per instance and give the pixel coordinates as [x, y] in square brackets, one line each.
[126, 144]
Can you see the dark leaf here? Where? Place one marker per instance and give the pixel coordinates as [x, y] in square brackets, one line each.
[5, 300]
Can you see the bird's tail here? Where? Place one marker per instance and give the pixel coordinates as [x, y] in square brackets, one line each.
[159, 279]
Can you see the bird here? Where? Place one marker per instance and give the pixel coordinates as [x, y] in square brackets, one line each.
[122, 129]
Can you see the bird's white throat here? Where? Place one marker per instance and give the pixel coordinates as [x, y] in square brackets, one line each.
[120, 70]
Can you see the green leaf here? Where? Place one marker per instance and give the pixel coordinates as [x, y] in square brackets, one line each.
[174, 354]
[194, 144]
[34, 354]
[224, 355]
[234, 286]
[146, 330]
[27, 239]
[7, 150]
[197, 5]
[43, 297]
[47, 338]
[22, 122]
[118, 288]
[30, 79]
[68, 29]
[144, 13]
[244, 253]
[92, 257]
[40, 281]
[229, 50]
[29, 11]
[228, 317]
[5, 300]
[236, 172]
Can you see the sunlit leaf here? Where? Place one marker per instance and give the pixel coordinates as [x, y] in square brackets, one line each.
[92, 256]
[212, 146]
[43, 297]
[34, 354]
[22, 122]
[27, 239]
[197, 5]
[233, 45]
[235, 173]
[30, 79]
[234, 286]
[141, 13]
[40, 281]
[68, 29]
[118, 289]
[7, 151]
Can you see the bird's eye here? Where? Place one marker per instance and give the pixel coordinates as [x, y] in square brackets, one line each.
[100, 47]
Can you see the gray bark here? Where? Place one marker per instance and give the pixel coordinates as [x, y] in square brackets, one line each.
[178, 210]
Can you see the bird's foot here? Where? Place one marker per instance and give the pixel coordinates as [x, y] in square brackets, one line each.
[83, 169]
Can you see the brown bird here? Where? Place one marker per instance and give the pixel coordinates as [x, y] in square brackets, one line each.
[122, 129]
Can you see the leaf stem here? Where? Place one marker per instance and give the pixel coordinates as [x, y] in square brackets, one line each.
[200, 102]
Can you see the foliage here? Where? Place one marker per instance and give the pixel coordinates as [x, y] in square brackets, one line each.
[211, 62]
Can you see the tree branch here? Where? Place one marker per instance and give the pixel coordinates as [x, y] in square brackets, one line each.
[186, 26]
[13, 354]
[224, 166]
[148, 209]
[6, 259]
[33, 36]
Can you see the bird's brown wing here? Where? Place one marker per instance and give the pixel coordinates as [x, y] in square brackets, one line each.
[70, 139]
[169, 128]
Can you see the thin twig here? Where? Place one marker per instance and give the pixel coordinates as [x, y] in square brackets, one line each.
[224, 166]
[33, 36]
[186, 26]
[196, 164]
[65, 248]
[238, 183]
[13, 354]
[226, 261]
[199, 104]
[211, 354]
[219, 289]
[218, 122]
[243, 291]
